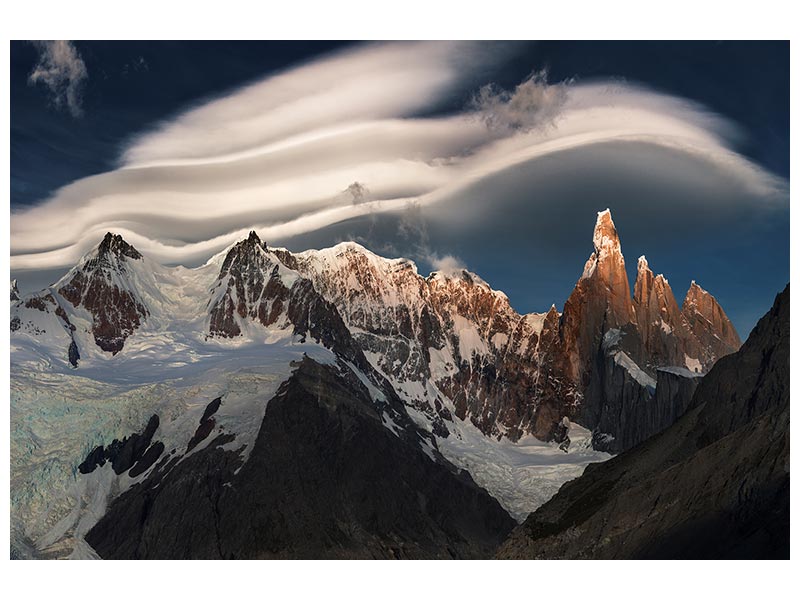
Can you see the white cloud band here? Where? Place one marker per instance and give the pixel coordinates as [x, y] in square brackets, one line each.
[278, 155]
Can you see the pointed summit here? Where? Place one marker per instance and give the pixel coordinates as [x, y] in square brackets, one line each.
[695, 293]
[606, 266]
[114, 244]
[601, 299]
[607, 255]
[662, 328]
[605, 233]
[107, 287]
[645, 280]
[709, 322]
[249, 251]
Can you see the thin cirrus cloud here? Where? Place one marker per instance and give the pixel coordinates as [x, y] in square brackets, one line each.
[342, 137]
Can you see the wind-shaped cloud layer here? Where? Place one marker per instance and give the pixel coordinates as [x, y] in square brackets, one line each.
[342, 137]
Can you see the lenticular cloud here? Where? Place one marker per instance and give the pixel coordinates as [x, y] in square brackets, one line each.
[343, 137]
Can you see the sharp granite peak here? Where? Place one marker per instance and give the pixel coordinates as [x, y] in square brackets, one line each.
[450, 345]
[114, 245]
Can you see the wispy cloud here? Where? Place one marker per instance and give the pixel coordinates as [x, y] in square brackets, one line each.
[61, 69]
[341, 138]
[447, 264]
[534, 103]
[357, 191]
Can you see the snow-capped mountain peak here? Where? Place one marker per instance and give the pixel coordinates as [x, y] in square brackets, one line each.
[451, 345]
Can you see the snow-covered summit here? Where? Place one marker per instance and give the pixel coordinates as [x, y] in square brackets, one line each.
[449, 341]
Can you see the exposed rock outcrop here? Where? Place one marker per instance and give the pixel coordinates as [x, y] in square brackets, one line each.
[254, 285]
[623, 390]
[600, 301]
[125, 453]
[73, 355]
[715, 484]
[101, 285]
[715, 334]
[613, 346]
[666, 336]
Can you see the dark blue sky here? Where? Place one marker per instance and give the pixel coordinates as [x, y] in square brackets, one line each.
[132, 86]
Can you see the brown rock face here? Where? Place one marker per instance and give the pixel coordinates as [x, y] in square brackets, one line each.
[715, 333]
[116, 311]
[450, 343]
[115, 245]
[665, 334]
[693, 337]
[641, 335]
[600, 301]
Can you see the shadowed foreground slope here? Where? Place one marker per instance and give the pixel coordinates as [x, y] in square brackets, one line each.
[714, 485]
[325, 479]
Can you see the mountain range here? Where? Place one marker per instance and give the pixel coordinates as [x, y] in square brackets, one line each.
[450, 344]
[382, 383]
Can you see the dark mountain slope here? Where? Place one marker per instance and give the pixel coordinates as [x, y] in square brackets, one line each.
[714, 485]
[326, 478]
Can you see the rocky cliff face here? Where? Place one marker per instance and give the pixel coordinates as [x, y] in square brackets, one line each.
[254, 286]
[600, 301]
[102, 286]
[666, 335]
[715, 334]
[613, 345]
[715, 484]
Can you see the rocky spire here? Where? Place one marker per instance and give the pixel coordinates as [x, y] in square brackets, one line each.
[643, 288]
[607, 249]
[606, 266]
[653, 298]
[663, 329]
[14, 291]
[605, 236]
[601, 299]
[709, 323]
